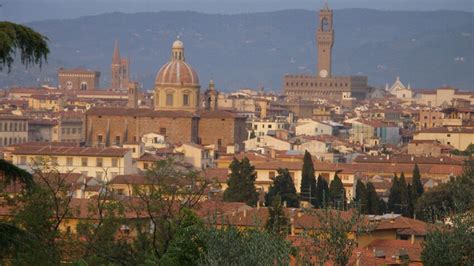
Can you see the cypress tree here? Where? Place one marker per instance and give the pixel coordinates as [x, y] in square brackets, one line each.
[308, 180]
[277, 222]
[322, 192]
[241, 183]
[284, 187]
[373, 201]
[394, 199]
[404, 196]
[337, 193]
[416, 185]
[361, 196]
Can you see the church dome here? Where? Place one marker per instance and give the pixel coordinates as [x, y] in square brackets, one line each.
[177, 71]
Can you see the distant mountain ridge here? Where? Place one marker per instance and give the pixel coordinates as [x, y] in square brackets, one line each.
[427, 49]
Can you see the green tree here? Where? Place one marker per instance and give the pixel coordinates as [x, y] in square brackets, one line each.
[450, 244]
[32, 45]
[331, 236]
[322, 192]
[416, 185]
[337, 193]
[231, 246]
[277, 222]
[308, 179]
[454, 197]
[394, 198]
[284, 187]
[361, 197]
[405, 196]
[241, 183]
[188, 245]
[373, 200]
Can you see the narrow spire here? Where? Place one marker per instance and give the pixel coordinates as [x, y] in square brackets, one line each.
[116, 56]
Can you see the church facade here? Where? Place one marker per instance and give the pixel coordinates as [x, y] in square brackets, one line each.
[324, 84]
[176, 115]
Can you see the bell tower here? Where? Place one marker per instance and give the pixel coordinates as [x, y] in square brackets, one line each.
[325, 41]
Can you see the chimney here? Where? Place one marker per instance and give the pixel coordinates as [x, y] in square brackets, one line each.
[233, 212]
[245, 213]
[284, 204]
[413, 238]
[412, 158]
[258, 205]
[292, 221]
[359, 254]
[388, 157]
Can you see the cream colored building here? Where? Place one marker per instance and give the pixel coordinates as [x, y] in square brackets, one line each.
[101, 163]
[443, 97]
[400, 91]
[310, 127]
[13, 130]
[261, 126]
[177, 83]
[200, 157]
[267, 142]
[457, 137]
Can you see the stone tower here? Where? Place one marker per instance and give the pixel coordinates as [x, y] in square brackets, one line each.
[325, 41]
[132, 95]
[120, 71]
[210, 97]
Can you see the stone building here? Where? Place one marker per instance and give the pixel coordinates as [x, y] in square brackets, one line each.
[324, 85]
[78, 79]
[176, 114]
[120, 71]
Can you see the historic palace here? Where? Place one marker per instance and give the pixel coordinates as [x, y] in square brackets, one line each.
[324, 85]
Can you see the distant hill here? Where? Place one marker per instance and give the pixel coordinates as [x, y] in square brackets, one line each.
[427, 49]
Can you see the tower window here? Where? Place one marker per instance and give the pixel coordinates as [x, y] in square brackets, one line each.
[169, 99]
[83, 86]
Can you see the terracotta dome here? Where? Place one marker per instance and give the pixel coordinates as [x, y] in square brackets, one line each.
[177, 71]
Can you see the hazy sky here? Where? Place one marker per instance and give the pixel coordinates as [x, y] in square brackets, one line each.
[29, 10]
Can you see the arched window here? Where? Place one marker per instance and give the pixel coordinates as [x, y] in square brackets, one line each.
[69, 85]
[83, 86]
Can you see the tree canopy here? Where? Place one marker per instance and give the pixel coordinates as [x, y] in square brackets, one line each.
[284, 187]
[32, 45]
[241, 183]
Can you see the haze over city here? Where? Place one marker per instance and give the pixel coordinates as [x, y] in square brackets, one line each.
[236, 132]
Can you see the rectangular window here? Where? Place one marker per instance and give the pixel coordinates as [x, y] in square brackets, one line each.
[185, 99]
[114, 162]
[145, 165]
[120, 192]
[163, 131]
[69, 161]
[99, 162]
[271, 174]
[169, 99]
[54, 160]
[74, 130]
[219, 142]
[23, 160]
[99, 138]
[117, 140]
[84, 161]
[99, 175]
